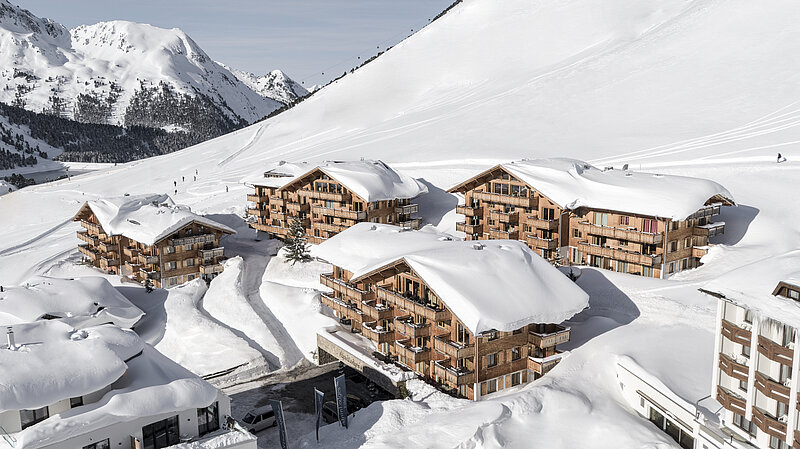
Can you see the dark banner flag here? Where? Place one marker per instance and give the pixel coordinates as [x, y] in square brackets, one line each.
[341, 399]
[277, 408]
[318, 398]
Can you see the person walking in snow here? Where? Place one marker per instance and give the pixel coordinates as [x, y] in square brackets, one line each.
[779, 157]
[183, 178]
[175, 183]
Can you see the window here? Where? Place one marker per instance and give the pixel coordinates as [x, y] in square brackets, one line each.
[673, 246]
[491, 386]
[493, 335]
[463, 391]
[687, 243]
[675, 225]
[462, 334]
[189, 262]
[208, 419]
[683, 438]
[743, 385]
[31, 417]
[786, 371]
[747, 426]
[647, 271]
[777, 443]
[576, 233]
[600, 219]
[169, 266]
[173, 281]
[516, 353]
[441, 324]
[746, 351]
[491, 360]
[748, 316]
[75, 402]
[624, 220]
[516, 331]
[103, 444]
[161, 434]
[516, 379]
[548, 213]
[780, 409]
[189, 246]
[671, 267]
[650, 226]
[788, 335]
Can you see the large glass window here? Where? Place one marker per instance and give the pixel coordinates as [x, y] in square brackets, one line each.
[103, 444]
[747, 426]
[161, 434]
[491, 360]
[31, 417]
[208, 419]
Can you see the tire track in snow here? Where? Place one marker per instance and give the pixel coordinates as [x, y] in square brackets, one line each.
[246, 146]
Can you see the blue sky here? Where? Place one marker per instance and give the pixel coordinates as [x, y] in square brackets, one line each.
[304, 38]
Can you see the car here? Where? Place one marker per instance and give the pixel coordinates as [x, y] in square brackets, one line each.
[259, 419]
[330, 414]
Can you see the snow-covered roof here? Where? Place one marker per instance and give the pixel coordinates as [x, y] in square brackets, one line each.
[372, 180]
[146, 218]
[153, 385]
[54, 362]
[752, 285]
[80, 302]
[489, 285]
[572, 184]
[276, 174]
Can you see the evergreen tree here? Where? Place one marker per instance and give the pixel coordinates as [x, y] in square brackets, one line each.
[296, 245]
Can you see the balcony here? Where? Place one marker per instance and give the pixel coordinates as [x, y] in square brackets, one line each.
[376, 311]
[297, 207]
[106, 247]
[541, 365]
[201, 239]
[340, 213]
[735, 333]
[376, 333]
[330, 227]
[406, 326]
[429, 311]
[467, 211]
[553, 335]
[538, 242]
[699, 251]
[212, 253]
[446, 373]
[499, 234]
[497, 198]
[647, 260]
[540, 223]
[88, 252]
[504, 217]
[774, 351]
[772, 389]
[106, 263]
[452, 349]
[629, 234]
[83, 235]
[258, 212]
[94, 228]
[707, 211]
[413, 223]
[407, 209]
[211, 269]
[731, 401]
[411, 354]
[145, 259]
[469, 229]
[131, 253]
[257, 198]
[732, 368]
[152, 275]
[709, 230]
[326, 196]
[345, 289]
[277, 202]
[768, 424]
[343, 309]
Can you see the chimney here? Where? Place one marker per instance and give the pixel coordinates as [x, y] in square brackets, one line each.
[11, 345]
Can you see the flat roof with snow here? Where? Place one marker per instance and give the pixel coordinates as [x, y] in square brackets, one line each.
[573, 184]
[489, 285]
[145, 218]
[80, 301]
[372, 180]
[277, 174]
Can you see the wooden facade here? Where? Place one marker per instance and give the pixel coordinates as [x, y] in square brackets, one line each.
[498, 205]
[412, 325]
[324, 206]
[188, 253]
[756, 378]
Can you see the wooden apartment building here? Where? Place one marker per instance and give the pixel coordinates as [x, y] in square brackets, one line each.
[331, 197]
[148, 237]
[756, 375]
[462, 328]
[638, 223]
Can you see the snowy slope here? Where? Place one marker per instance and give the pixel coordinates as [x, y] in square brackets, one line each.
[41, 59]
[275, 84]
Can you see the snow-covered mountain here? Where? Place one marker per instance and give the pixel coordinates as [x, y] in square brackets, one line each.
[114, 72]
[275, 84]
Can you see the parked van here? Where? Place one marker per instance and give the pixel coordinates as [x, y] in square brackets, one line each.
[259, 419]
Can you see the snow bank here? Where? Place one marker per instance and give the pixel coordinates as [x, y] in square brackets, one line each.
[489, 285]
[55, 362]
[195, 340]
[80, 302]
[146, 218]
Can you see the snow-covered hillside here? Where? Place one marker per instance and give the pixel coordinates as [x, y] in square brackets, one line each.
[93, 72]
[275, 84]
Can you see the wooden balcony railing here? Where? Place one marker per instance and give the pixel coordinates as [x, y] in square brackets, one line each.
[646, 260]
[499, 234]
[452, 349]
[732, 368]
[153, 275]
[200, 239]
[774, 351]
[343, 309]
[469, 229]
[709, 230]
[555, 334]
[413, 223]
[540, 223]
[735, 333]
[297, 207]
[212, 253]
[257, 198]
[467, 211]
[407, 209]
[772, 389]
[538, 242]
[131, 253]
[330, 227]
[544, 364]
[258, 212]
[88, 252]
[376, 311]
[699, 251]
[768, 424]
[94, 228]
[211, 269]
[340, 213]
[277, 201]
[411, 354]
[84, 236]
[731, 401]
[628, 234]
[497, 198]
[145, 259]
[707, 211]
[343, 288]
[504, 217]
[404, 325]
[328, 196]
[430, 312]
[447, 373]
[376, 333]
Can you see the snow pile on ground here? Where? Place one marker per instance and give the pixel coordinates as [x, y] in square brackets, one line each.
[51, 361]
[198, 342]
[572, 184]
[80, 302]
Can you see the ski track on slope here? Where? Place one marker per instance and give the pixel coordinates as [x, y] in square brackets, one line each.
[253, 140]
[37, 239]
